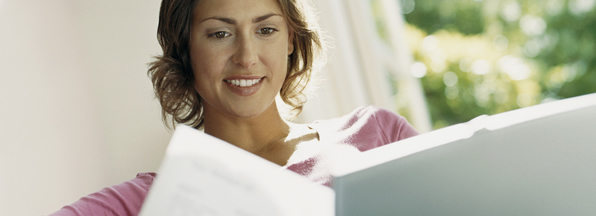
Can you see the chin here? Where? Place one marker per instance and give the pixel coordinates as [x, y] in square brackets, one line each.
[246, 113]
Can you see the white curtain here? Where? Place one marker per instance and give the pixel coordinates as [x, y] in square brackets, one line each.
[363, 69]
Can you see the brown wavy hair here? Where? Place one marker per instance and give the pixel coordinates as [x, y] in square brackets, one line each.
[172, 75]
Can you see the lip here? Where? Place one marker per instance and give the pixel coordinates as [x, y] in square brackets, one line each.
[244, 91]
[243, 77]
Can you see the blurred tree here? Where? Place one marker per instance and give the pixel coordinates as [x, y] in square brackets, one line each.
[489, 56]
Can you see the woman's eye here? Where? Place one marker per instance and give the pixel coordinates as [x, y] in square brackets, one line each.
[220, 34]
[267, 30]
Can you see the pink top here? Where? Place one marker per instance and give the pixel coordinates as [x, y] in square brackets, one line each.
[363, 129]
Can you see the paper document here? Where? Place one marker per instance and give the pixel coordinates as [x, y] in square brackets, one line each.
[203, 175]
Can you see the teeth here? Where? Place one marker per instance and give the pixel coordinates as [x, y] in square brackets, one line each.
[243, 82]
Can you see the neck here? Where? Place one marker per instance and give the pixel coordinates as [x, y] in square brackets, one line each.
[256, 134]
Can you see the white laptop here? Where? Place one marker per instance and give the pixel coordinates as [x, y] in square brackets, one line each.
[539, 160]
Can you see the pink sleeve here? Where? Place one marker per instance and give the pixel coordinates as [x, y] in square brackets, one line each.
[122, 199]
[394, 126]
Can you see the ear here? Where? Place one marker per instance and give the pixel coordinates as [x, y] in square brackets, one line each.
[291, 43]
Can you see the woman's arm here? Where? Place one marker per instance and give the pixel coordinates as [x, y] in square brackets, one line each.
[122, 199]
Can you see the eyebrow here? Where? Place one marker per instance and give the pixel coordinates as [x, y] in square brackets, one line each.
[232, 21]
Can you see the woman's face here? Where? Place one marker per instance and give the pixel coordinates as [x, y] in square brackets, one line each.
[239, 54]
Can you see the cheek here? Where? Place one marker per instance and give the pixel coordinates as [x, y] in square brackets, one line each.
[203, 59]
[206, 63]
[278, 60]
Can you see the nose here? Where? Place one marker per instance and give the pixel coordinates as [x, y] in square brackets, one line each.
[246, 53]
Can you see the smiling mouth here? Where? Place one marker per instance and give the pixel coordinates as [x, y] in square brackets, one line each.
[244, 82]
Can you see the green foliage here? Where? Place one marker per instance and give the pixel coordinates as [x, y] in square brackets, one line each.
[462, 16]
[505, 54]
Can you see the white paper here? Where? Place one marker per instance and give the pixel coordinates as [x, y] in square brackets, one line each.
[202, 175]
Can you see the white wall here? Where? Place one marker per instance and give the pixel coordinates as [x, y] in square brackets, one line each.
[77, 111]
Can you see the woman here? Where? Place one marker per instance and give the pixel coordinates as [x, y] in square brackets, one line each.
[223, 63]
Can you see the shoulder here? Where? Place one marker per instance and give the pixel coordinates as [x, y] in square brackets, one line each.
[393, 126]
[361, 116]
[367, 127]
[370, 112]
[372, 117]
[125, 198]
